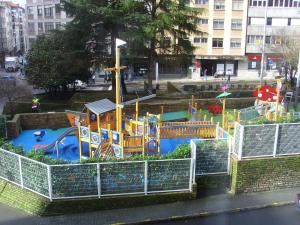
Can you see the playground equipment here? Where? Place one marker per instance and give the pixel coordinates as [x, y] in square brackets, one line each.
[39, 135]
[110, 133]
[269, 101]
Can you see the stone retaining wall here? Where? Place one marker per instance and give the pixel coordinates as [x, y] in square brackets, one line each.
[36, 121]
[264, 174]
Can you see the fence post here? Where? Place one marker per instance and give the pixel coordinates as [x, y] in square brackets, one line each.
[193, 156]
[241, 143]
[98, 180]
[276, 140]
[20, 169]
[146, 178]
[234, 137]
[49, 182]
[191, 175]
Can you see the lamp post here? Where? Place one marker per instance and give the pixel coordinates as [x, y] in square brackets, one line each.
[298, 84]
[262, 64]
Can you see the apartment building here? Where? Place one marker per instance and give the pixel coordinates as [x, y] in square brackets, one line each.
[6, 31]
[18, 14]
[222, 46]
[43, 16]
[277, 20]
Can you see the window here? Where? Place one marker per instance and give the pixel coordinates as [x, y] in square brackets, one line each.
[269, 21]
[289, 21]
[166, 42]
[48, 11]
[201, 2]
[218, 24]
[40, 28]
[49, 26]
[217, 43]
[268, 40]
[40, 11]
[237, 4]
[31, 28]
[200, 40]
[219, 5]
[30, 10]
[235, 43]
[57, 8]
[254, 39]
[270, 3]
[201, 21]
[58, 26]
[236, 24]
[258, 3]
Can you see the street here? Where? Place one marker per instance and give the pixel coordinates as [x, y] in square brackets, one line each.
[273, 216]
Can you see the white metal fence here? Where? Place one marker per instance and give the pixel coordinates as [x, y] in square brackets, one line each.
[267, 140]
[211, 156]
[97, 179]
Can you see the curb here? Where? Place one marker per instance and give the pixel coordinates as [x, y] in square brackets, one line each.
[212, 213]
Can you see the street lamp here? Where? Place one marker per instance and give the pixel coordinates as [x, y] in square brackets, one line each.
[262, 64]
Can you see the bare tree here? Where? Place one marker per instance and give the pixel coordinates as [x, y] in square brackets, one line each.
[11, 91]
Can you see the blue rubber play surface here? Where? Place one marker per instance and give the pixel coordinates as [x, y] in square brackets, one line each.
[68, 148]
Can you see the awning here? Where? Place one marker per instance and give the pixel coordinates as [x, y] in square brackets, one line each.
[101, 106]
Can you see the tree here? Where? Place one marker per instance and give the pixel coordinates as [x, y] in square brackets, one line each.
[11, 91]
[144, 24]
[56, 60]
[152, 23]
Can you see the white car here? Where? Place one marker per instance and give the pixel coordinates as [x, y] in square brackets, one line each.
[80, 84]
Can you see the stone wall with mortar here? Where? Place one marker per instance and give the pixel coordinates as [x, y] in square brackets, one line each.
[264, 174]
[17, 197]
[36, 121]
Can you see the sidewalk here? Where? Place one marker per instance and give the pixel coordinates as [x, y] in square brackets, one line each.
[212, 205]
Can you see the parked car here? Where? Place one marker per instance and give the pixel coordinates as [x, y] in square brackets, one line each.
[9, 78]
[297, 200]
[80, 84]
[219, 73]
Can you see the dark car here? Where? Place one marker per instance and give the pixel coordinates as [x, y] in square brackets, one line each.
[9, 78]
[297, 200]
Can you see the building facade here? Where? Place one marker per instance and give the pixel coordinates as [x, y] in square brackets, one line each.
[18, 15]
[6, 29]
[221, 49]
[278, 21]
[43, 16]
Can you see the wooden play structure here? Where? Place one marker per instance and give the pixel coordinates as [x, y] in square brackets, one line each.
[108, 132]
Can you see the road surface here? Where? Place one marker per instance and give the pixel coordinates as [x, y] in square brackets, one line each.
[286, 215]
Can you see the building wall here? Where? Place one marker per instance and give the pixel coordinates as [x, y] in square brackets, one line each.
[285, 22]
[206, 50]
[39, 20]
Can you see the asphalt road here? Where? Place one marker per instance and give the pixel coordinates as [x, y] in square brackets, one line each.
[286, 215]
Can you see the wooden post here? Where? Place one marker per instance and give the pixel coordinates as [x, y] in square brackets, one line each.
[137, 110]
[277, 98]
[193, 100]
[223, 113]
[90, 144]
[158, 134]
[80, 144]
[212, 120]
[162, 109]
[234, 115]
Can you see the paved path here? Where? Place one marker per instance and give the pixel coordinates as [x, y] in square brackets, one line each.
[205, 206]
